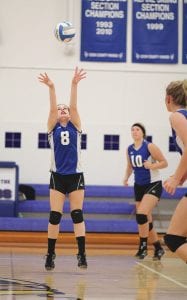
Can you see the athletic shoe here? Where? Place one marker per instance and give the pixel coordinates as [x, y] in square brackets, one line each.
[82, 263]
[158, 254]
[141, 254]
[49, 262]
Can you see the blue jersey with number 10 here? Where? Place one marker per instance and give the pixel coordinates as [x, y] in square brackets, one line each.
[137, 157]
[65, 143]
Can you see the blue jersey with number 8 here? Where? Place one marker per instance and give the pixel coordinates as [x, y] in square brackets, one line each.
[65, 144]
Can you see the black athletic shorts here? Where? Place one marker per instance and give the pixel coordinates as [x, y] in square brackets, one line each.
[154, 188]
[66, 184]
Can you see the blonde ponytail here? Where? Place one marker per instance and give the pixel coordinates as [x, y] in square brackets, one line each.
[184, 85]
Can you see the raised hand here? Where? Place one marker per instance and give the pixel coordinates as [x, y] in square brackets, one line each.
[44, 78]
[78, 75]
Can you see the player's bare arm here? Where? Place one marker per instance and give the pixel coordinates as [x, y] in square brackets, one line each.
[160, 161]
[79, 74]
[53, 113]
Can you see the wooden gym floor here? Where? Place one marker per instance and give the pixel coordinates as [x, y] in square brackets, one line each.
[113, 271]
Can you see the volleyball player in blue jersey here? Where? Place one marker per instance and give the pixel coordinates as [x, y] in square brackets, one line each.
[176, 102]
[145, 159]
[64, 130]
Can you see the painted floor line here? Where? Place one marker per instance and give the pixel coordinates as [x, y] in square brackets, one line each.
[164, 276]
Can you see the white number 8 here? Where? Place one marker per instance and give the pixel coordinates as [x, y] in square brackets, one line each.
[65, 138]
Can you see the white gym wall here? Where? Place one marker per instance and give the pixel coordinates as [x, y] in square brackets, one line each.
[111, 98]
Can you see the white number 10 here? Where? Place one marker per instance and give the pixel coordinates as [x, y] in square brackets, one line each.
[136, 161]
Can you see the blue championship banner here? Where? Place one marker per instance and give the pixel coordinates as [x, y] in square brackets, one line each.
[103, 30]
[184, 51]
[155, 31]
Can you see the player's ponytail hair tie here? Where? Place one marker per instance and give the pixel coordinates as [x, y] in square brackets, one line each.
[141, 127]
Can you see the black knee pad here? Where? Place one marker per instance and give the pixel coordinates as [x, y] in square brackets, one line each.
[173, 242]
[55, 217]
[141, 219]
[150, 226]
[77, 216]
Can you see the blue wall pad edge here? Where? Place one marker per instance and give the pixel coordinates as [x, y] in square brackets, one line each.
[107, 191]
[38, 224]
[7, 208]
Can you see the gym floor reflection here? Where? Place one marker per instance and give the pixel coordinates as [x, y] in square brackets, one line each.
[110, 275]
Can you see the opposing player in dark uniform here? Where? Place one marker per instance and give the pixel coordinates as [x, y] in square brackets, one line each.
[176, 102]
[145, 159]
[64, 130]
